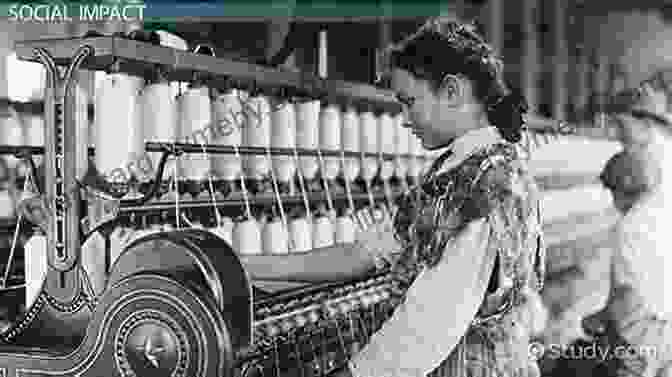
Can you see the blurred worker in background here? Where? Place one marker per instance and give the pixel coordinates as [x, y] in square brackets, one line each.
[636, 316]
[639, 311]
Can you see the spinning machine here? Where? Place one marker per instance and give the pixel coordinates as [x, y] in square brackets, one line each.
[136, 272]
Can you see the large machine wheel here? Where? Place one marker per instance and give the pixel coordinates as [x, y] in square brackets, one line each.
[202, 261]
[160, 327]
[145, 325]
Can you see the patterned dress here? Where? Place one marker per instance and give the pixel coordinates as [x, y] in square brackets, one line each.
[492, 184]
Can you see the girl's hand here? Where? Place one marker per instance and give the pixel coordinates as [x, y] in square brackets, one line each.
[381, 246]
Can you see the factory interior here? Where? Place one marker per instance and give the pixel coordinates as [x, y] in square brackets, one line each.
[331, 157]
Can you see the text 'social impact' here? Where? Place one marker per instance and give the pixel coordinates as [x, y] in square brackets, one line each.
[54, 13]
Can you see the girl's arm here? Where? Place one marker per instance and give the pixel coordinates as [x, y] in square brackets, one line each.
[332, 263]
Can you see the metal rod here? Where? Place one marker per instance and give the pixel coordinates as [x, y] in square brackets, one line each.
[238, 202]
[227, 149]
[211, 149]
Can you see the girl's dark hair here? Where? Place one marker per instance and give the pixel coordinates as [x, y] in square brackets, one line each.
[439, 49]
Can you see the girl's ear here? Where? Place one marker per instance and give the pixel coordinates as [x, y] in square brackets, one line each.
[452, 90]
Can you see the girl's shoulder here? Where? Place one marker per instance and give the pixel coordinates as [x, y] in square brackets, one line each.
[490, 167]
[489, 178]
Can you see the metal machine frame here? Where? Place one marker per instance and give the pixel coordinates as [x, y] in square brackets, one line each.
[193, 299]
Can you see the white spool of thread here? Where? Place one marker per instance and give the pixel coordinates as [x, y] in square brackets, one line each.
[228, 115]
[275, 237]
[330, 139]
[118, 136]
[35, 261]
[323, 231]
[350, 142]
[257, 133]
[307, 135]
[346, 230]
[159, 118]
[283, 135]
[386, 144]
[195, 117]
[247, 237]
[301, 232]
[369, 144]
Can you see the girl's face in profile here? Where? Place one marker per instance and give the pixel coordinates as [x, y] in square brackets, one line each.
[433, 115]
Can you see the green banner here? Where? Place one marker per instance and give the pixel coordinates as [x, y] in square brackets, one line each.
[160, 14]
